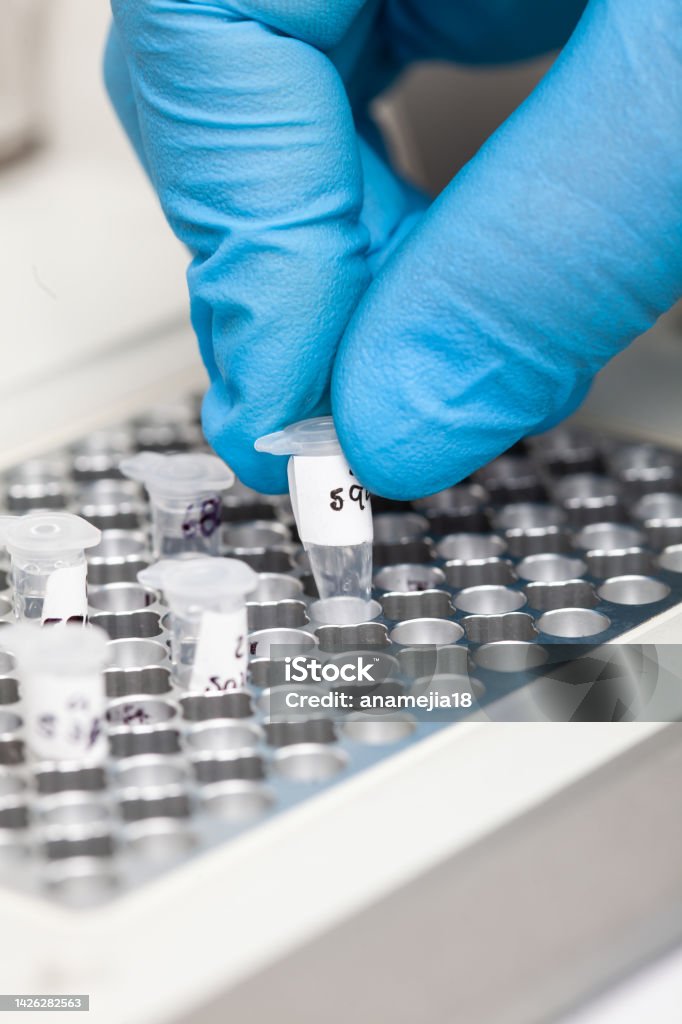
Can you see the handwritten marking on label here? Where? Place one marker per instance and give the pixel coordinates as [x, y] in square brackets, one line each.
[64, 716]
[203, 519]
[220, 658]
[331, 507]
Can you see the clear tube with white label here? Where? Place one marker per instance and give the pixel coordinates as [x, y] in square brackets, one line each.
[49, 569]
[62, 689]
[185, 497]
[332, 509]
[209, 628]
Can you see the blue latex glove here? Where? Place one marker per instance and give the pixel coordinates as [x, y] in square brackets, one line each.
[550, 251]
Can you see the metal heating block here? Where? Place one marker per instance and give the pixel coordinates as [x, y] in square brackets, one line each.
[486, 590]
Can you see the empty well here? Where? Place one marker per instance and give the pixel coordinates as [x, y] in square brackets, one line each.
[121, 597]
[660, 505]
[483, 629]
[120, 625]
[61, 842]
[203, 707]
[81, 882]
[428, 604]
[567, 451]
[608, 537]
[383, 666]
[671, 558]
[464, 686]
[270, 560]
[73, 809]
[643, 466]
[280, 643]
[461, 499]
[226, 766]
[237, 801]
[262, 534]
[510, 656]
[619, 563]
[467, 546]
[538, 540]
[479, 572]
[409, 578]
[7, 663]
[378, 729]
[280, 732]
[568, 594]
[11, 784]
[274, 586]
[66, 777]
[118, 545]
[528, 516]
[276, 615]
[490, 600]
[573, 623]
[223, 735]
[149, 771]
[309, 762]
[9, 721]
[14, 812]
[551, 568]
[426, 632]
[159, 839]
[511, 478]
[129, 741]
[400, 552]
[133, 681]
[137, 653]
[343, 611]
[661, 515]
[367, 636]
[9, 690]
[118, 557]
[416, 662]
[36, 484]
[391, 527]
[168, 802]
[633, 590]
[589, 498]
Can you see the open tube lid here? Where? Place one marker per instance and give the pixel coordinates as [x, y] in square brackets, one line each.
[200, 580]
[178, 475]
[307, 437]
[47, 533]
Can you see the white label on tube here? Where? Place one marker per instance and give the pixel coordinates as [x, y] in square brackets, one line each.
[330, 506]
[66, 595]
[221, 654]
[64, 716]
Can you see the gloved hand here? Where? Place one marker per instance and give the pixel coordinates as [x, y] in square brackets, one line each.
[556, 246]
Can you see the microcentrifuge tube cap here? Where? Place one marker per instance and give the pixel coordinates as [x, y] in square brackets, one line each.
[178, 475]
[72, 648]
[47, 533]
[307, 437]
[201, 580]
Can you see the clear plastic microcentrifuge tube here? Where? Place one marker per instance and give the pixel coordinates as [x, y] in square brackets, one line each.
[48, 564]
[209, 629]
[332, 509]
[184, 493]
[62, 689]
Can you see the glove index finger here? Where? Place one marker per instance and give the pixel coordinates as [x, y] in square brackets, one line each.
[252, 149]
